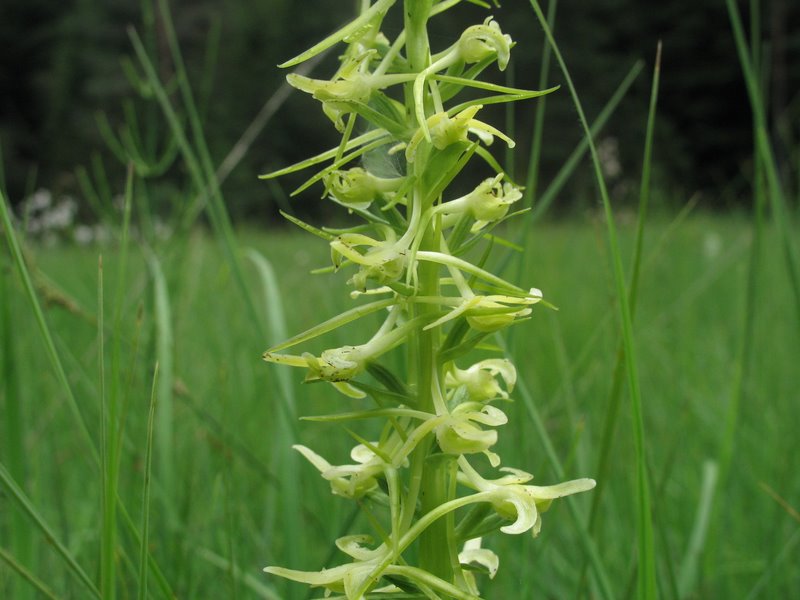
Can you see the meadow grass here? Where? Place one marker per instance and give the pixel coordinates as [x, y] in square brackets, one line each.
[146, 448]
[226, 514]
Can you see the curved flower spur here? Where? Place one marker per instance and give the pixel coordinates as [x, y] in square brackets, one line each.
[416, 474]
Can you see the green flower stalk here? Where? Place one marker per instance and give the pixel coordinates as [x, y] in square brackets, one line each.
[425, 478]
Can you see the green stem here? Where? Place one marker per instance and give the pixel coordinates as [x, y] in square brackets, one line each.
[437, 543]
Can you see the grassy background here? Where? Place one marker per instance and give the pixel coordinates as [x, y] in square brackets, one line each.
[226, 487]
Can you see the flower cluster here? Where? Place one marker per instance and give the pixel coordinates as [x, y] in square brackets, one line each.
[412, 253]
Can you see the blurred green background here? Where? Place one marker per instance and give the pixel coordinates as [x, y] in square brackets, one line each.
[60, 66]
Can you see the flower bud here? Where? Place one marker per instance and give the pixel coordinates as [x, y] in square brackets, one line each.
[491, 200]
[481, 41]
[480, 380]
[459, 434]
[358, 188]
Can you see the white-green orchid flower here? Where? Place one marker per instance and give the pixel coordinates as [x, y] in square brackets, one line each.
[345, 579]
[514, 501]
[486, 313]
[349, 481]
[443, 130]
[473, 554]
[358, 188]
[460, 431]
[475, 44]
[487, 203]
[384, 261]
[482, 41]
[352, 83]
[339, 365]
[480, 380]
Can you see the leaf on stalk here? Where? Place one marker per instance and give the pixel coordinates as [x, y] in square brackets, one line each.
[377, 10]
[309, 228]
[389, 380]
[491, 87]
[339, 320]
[365, 138]
[461, 349]
[369, 414]
[382, 141]
[377, 118]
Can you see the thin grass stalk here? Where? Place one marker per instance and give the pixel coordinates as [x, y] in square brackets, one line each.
[165, 417]
[254, 584]
[532, 177]
[691, 559]
[108, 540]
[60, 373]
[287, 465]
[144, 528]
[615, 395]
[230, 533]
[24, 503]
[20, 541]
[25, 574]
[217, 213]
[745, 351]
[555, 186]
[44, 329]
[647, 585]
[116, 404]
[588, 545]
[781, 214]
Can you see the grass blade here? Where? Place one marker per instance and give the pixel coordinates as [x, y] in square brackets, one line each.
[259, 588]
[202, 173]
[24, 503]
[20, 541]
[647, 586]
[687, 579]
[767, 156]
[108, 535]
[27, 575]
[532, 177]
[44, 330]
[615, 395]
[589, 546]
[290, 500]
[144, 530]
[165, 417]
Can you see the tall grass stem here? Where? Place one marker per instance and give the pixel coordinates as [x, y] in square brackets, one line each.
[647, 582]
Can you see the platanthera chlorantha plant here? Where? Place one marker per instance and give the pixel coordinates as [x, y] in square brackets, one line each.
[430, 482]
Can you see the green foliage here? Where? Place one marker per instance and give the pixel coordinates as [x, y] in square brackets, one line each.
[690, 297]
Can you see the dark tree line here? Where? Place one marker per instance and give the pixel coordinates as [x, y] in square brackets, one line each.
[62, 64]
